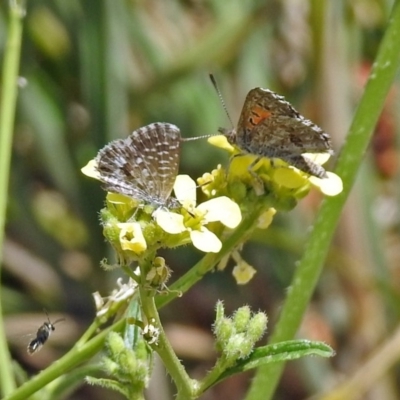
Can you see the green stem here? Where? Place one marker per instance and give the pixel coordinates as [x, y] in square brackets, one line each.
[164, 349]
[67, 383]
[307, 274]
[7, 114]
[76, 356]
[212, 377]
[89, 332]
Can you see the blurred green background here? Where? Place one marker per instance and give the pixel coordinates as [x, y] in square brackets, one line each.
[93, 70]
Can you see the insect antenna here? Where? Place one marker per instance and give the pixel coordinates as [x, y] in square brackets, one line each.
[42, 335]
[48, 318]
[214, 82]
[58, 320]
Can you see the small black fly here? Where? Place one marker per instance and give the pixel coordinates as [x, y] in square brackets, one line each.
[42, 335]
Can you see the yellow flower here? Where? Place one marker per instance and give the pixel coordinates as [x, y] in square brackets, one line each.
[213, 183]
[131, 237]
[193, 219]
[281, 172]
[243, 273]
[221, 141]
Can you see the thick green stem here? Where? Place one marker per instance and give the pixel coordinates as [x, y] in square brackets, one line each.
[7, 114]
[307, 274]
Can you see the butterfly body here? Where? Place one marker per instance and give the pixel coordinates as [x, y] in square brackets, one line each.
[270, 127]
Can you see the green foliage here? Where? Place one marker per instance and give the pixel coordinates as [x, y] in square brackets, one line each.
[89, 72]
[128, 367]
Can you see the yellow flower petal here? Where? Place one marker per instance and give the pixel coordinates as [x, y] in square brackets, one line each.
[205, 241]
[239, 165]
[169, 222]
[330, 186]
[90, 169]
[221, 209]
[185, 191]
[289, 177]
[243, 273]
[117, 198]
[222, 142]
[131, 237]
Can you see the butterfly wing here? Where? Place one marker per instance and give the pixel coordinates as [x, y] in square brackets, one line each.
[144, 165]
[269, 126]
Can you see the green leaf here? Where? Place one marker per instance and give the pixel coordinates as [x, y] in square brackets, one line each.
[284, 351]
[109, 384]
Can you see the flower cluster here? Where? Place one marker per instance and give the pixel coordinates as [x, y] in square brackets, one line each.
[136, 229]
[279, 175]
[236, 336]
[193, 219]
[268, 185]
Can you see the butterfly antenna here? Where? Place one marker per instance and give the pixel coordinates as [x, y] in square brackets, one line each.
[214, 82]
[189, 139]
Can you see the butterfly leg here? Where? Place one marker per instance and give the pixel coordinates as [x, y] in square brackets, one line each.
[133, 217]
[230, 161]
[257, 183]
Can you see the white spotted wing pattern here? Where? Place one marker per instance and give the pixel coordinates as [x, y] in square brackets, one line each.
[144, 165]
